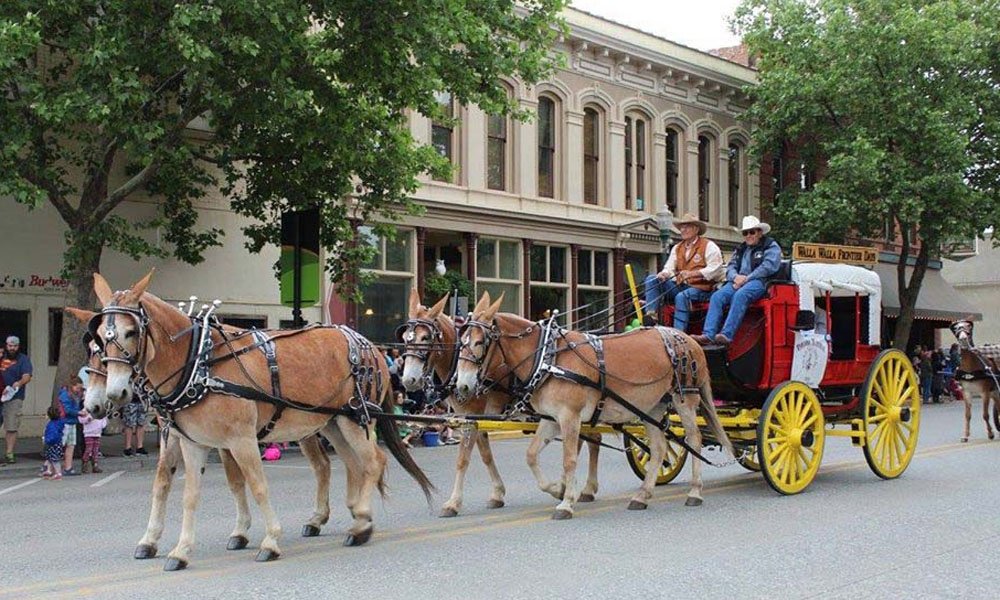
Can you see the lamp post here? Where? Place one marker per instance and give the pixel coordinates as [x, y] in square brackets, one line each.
[665, 222]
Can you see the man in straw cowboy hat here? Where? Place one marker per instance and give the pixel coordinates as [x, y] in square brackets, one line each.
[755, 261]
[693, 267]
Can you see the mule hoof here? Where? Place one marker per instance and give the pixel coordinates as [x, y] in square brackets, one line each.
[692, 501]
[964, 440]
[585, 498]
[358, 539]
[636, 505]
[144, 551]
[495, 504]
[447, 513]
[175, 564]
[562, 515]
[237, 542]
[310, 531]
[266, 555]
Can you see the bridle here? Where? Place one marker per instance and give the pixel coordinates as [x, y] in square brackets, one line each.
[491, 341]
[407, 333]
[960, 327]
[107, 317]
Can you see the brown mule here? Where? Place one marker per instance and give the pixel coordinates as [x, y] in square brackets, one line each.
[972, 361]
[639, 367]
[170, 458]
[152, 340]
[430, 343]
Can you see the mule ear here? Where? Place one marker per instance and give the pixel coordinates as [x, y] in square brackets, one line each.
[438, 308]
[484, 302]
[414, 303]
[102, 289]
[492, 310]
[83, 316]
[140, 286]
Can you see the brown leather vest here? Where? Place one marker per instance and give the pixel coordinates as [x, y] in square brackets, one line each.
[696, 261]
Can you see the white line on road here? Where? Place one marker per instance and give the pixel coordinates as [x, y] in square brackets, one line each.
[107, 479]
[19, 486]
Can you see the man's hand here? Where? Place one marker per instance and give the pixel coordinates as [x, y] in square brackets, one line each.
[662, 276]
[738, 281]
[688, 274]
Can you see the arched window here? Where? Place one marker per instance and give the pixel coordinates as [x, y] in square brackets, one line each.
[591, 156]
[673, 167]
[735, 173]
[635, 162]
[777, 173]
[497, 148]
[443, 130]
[546, 147]
[704, 176]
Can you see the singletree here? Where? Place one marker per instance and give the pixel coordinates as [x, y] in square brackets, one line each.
[894, 103]
[280, 104]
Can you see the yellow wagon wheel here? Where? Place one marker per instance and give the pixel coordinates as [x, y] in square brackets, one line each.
[638, 459]
[790, 437]
[890, 404]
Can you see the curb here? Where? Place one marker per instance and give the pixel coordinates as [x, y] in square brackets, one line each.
[27, 465]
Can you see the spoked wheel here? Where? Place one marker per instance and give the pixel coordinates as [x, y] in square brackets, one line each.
[638, 459]
[790, 437]
[749, 461]
[891, 412]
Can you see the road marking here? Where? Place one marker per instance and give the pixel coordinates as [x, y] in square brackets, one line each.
[108, 479]
[228, 563]
[19, 486]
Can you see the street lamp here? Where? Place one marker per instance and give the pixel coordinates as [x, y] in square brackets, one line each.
[665, 222]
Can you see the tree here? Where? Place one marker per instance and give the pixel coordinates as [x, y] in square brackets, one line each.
[305, 105]
[895, 103]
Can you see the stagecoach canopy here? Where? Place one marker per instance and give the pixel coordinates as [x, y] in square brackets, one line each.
[816, 279]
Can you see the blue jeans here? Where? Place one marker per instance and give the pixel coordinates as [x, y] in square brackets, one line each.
[740, 299]
[682, 295]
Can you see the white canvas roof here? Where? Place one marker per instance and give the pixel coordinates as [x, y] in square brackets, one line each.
[816, 279]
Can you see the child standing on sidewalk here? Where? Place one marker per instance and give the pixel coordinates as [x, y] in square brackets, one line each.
[92, 429]
[53, 445]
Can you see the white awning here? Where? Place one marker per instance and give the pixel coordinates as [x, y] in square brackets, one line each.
[818, 279]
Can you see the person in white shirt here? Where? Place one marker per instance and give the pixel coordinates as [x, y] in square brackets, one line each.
[692, 269]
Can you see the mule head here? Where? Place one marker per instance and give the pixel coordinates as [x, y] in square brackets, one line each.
[422, 338]
[95, 398]
[963, 331]
[476, 341]
[121, 330]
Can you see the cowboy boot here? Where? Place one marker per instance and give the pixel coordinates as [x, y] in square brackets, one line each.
[87, 467]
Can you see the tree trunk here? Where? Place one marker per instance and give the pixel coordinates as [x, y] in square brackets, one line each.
[908, 294]
[72, 353]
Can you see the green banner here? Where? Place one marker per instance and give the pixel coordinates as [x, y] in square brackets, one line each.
[300, 227]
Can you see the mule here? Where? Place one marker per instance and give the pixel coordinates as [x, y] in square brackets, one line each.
[218, 397]
[170, 457]
[431, 343]
[575, 377]
[975, 380]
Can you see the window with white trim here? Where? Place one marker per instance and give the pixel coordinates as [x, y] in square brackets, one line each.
[443, 130]
[384, 305]
[592, 132]
[549, 281]
[498, 271]
[704, 177]
[673, 167]
[636, 151]
[547, 138]
[593, 290]
[735, 173]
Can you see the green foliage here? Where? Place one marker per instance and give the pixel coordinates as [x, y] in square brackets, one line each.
[282, 104]
[436, 286]
[893, 101]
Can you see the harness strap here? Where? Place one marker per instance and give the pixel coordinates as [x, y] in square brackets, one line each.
[270, 351]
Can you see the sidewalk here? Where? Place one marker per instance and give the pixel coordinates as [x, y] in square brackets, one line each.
[29, 456]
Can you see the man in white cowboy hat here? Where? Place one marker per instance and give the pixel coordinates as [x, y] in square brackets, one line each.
[755, 261]
[692, 269]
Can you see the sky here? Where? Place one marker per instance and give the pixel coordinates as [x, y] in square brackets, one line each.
[699, 24]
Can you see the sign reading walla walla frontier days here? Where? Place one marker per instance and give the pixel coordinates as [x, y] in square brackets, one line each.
[849, 255]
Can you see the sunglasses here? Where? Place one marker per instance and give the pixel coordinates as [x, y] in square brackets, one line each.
[750, 232]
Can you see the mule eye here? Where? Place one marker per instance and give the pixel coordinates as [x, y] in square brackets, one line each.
[130, 334]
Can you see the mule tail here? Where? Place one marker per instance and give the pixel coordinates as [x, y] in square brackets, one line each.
[388, 431]
[995, 395]
[712, 417]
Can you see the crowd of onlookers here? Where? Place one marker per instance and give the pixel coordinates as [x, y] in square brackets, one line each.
[416, 403]
[936, 373]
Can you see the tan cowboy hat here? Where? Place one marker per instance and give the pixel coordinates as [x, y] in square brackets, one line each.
[752, 222]
[690, 219]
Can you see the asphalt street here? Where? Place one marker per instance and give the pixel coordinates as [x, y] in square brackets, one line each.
[932, 533]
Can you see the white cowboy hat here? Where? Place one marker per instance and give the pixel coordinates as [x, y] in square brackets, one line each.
[690, 219]
[752, 222]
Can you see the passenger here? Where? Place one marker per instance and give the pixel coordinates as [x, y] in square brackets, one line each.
[755, 261]
[692, 269]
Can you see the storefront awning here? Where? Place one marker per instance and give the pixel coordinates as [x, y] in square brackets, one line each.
[938, 301]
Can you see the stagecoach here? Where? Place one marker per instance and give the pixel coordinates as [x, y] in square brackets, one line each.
[805, 365]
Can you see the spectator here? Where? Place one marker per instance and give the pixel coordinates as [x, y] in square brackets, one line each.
[925, 369]
[71, 399]
[16, 369]
[939, 364]
[92, 429]
[52, 469]
[395, 369]
[134, 421]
